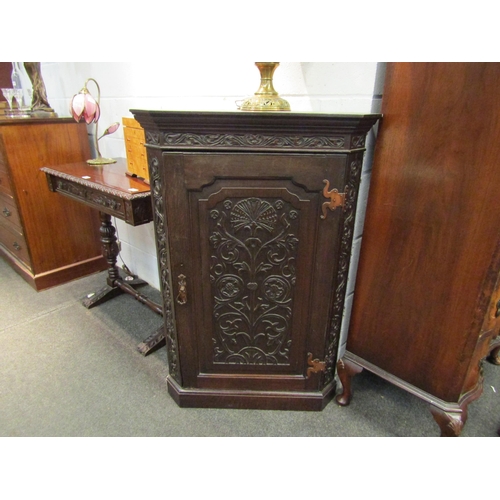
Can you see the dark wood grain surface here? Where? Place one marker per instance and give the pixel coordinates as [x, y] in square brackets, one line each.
[429, 258]
[253, 273]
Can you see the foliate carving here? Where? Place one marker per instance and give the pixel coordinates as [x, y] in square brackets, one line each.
[100, 199]
[245, 140]
[350, 201]
[252, 273]
[105, 201]
[164, 265]
[78, 186]
[358, 141]
[68, 187]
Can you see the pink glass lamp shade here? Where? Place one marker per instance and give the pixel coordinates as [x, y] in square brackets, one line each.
[85, 107]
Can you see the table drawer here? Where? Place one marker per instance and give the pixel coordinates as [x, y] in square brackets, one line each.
[9, 215]
[15, 243]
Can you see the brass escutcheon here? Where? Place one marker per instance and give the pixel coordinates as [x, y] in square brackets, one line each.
[182, 295]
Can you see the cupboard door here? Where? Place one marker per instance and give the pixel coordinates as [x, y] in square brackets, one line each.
[253, 265]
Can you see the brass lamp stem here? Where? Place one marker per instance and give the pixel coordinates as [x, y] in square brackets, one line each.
[266, 78]
[266, 98]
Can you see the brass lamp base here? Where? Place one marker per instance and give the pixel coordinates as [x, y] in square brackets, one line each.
[101, 161]
[266, 98]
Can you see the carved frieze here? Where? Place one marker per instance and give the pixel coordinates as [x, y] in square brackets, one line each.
[255, 141]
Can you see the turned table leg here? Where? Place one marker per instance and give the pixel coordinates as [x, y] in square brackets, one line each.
[346, 370]
[115, 285]
[110, 252]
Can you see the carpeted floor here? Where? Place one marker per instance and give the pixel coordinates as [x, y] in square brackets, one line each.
[70, 371]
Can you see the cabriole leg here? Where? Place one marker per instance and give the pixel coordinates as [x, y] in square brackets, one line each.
[346, 370]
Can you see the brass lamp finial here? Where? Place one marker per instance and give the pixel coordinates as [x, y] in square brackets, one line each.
[266, 98]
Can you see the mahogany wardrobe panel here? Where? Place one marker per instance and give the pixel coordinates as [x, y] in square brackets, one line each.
[427, 298]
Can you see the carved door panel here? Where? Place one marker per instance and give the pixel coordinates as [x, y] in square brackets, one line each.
[253, 264]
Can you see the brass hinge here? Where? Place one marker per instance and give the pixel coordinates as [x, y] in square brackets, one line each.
[336, 199]
[315, 365]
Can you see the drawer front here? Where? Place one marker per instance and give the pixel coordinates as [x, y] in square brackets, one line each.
[3, 156]
[9, 215]
[5, 182]
[15, 243]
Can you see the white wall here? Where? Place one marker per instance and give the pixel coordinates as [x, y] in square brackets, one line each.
[308, 86]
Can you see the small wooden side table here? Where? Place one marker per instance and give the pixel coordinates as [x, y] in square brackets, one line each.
[110, 190]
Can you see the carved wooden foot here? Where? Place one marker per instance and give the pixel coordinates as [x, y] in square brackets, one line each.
[153, 342]
[494, 356]
[451, 423]
[108, 292]
[104, 294]
[346, 370]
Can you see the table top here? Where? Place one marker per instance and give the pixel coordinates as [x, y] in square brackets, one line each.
[111, 178]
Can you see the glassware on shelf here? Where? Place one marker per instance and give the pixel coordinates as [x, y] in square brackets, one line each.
[25, 104]
[15, 77]
[9, 95]
[18, 96]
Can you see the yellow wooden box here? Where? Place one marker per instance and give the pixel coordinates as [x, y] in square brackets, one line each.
[137, 160]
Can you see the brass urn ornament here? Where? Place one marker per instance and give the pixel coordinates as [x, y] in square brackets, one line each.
[266, 98]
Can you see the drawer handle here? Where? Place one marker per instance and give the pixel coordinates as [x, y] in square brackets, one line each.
[6, 212]
[17, 246]
[182, 295]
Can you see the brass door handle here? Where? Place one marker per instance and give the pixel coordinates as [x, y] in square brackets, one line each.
[182, 295]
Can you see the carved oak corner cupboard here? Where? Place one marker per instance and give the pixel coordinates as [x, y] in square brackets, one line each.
[47, 239]
[253, 216]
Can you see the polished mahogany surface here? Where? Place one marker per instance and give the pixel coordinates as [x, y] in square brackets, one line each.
[106, 177]
[429, 258]
[43, 245]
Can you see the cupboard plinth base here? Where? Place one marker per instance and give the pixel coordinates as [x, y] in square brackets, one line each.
[250, 400]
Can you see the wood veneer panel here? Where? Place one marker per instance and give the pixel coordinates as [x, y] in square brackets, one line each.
[432, 224]
[62, 236]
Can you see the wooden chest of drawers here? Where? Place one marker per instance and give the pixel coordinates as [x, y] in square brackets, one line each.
[37, 230]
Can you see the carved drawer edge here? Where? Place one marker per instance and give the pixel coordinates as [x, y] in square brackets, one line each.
[96, 187]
